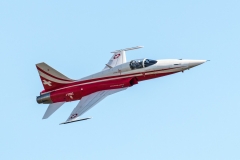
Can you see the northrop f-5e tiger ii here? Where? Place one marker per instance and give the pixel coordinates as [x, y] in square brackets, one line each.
[117, 75]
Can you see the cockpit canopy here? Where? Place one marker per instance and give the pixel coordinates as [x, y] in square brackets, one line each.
[141, 63]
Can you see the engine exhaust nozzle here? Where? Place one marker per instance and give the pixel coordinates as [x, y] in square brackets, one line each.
[45, 99]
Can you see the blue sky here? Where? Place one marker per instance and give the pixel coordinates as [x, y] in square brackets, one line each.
[185, 116]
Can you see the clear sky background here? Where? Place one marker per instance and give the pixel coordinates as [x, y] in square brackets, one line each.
[185, 116]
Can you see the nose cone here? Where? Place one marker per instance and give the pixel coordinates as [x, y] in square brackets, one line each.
[193, 63]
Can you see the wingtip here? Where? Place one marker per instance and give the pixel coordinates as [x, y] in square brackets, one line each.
[83, 119]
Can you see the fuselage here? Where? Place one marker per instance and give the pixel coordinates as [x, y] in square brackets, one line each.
[121, 76]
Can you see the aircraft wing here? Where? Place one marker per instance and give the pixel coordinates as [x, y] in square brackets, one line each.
[88, 102]
[119, 57]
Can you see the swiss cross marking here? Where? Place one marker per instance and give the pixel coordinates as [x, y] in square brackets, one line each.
[47, 82]
[116, 56]
[73, 116]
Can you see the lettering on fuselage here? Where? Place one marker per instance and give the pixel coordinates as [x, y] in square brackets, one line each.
[117, 85]
[70, 95]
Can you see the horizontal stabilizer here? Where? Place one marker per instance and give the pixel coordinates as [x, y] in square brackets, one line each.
[51, 109]
[75, 120]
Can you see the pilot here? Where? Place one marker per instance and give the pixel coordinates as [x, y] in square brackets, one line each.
[133, 64]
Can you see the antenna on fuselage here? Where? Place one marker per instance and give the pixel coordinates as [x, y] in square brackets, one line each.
[127, 49]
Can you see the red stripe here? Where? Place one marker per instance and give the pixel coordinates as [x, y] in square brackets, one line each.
[53, 76]
[108, 78]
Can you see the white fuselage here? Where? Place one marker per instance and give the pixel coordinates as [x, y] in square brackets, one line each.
[162, 66]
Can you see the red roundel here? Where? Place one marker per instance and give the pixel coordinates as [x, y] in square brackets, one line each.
[116, 56]
[73, 116]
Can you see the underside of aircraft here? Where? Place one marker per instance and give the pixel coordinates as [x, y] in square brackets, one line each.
[116, 76]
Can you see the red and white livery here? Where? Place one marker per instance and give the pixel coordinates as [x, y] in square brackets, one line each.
[117, 75]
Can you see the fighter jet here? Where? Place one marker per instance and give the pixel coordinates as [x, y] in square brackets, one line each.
[116, 76]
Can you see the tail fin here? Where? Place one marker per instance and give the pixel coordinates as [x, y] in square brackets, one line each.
[50, 77]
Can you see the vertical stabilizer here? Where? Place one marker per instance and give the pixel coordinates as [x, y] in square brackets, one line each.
[119, 57]
[51, 78]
